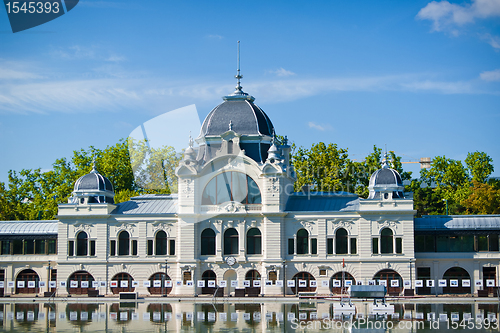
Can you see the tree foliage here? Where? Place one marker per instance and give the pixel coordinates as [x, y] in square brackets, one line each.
[32, 194]
[462, 187]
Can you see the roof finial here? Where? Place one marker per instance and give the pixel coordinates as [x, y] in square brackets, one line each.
[93, 165]
[190, 140]
[238, 76]
[239, 94]
[230, 125]
[385, 162]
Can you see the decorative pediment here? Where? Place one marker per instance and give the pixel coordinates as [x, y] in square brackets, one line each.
[82, 226]
[271, 169]
[308, 225]
[387, 223]
[129, 226]
[342, 223]
[231, 207]
[162, 225]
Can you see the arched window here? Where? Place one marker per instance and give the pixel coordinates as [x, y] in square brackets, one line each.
[341, 241]
[208, 242]
[231, 186]
[123, 243]
[302, 241]
[386, 243]
[81, 244]
[161, 243]
[254, 241]
[231, 241]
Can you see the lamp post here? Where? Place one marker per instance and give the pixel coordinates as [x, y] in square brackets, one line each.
[446, 201]
[165, 279]
[49, 277]
[284, 277]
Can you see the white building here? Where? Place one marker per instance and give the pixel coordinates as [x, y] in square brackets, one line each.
[236, 227]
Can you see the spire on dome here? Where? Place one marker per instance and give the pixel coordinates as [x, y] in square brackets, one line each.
[385, 162]
[238, 93]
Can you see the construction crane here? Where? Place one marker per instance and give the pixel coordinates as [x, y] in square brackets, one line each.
[425, 162]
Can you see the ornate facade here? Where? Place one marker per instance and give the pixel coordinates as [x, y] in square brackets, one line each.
[236, 227]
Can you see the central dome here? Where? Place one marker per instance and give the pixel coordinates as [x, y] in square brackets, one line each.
[240, 115]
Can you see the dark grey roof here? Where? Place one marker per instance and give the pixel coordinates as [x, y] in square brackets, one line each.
[148, 204]
[28, 228]
[386, 176]
[458, 222]
[92, 182]
[322, 202]
[246, 119]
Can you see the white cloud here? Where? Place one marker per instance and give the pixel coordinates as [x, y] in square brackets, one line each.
[115, 58]
[79, 52]
[452, 18]
[494, 41]
[444, 14]
[12, 74]
[215, 36]
[490, 75]
[323, 127]
[110, 89]
[282, 72]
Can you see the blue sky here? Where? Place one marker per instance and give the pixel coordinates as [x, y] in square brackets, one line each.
[422, 77]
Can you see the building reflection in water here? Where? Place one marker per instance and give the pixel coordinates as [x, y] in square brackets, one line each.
[252, 317]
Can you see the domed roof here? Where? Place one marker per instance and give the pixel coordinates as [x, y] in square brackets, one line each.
[385, 180]
[93, 181]
[385, 176]
[238, 114]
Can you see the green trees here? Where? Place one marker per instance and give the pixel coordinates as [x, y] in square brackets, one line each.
[462, 187]
[328, 168]
[33, 194]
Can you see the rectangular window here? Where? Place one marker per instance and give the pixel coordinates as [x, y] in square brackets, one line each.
[314, 246]
[420, 243]
[329, 245]
[493, 242]
[291, 248]
[92, 247]
[399, 245]
[150, 247]
[354, 249]
[322, 272]
[430, 243]
[442, 244]
[29, 246]
[273, 276]
[186, 276]
[482, 243]
[40, 246]
[5, 247]
[71, 248]
[172, 247]
[375, 245]
[52, 246]
[134, 247]
[112, 248]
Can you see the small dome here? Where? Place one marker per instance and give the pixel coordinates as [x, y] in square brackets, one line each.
[385, 182]
[93, 181]
[385, 177]
[240, 115]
